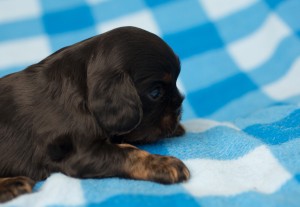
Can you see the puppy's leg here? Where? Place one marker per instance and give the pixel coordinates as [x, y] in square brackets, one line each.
[145, 166]
[124, 160]
[14, 186]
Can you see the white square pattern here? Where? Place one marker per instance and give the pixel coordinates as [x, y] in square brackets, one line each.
[257, 171]
[18, 9]
[287, 86]
[248, 52]
[24, 51]
[217, 9]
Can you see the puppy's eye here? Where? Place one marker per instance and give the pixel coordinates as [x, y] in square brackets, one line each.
[155, 93]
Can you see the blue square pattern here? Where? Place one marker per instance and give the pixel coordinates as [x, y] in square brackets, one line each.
[273, 3]
[201, 71]
[173, 17]
[284, 149]
[212, 98]
[289, 12]
[58, 5]
[175, 200]
[195, 40]
[271, 133]
[67, 20]
[232, 27]
[58, 41]
[154, 3]
[21, 29]
[297, 177]
[242, 106]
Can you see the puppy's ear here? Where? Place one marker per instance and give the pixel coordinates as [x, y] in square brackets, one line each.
[114, 101]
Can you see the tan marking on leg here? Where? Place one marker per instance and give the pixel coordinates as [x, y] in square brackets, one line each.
[127, 146]
[12, 187]
[134, 165]
[144, 166]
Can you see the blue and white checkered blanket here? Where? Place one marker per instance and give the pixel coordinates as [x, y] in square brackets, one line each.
[240, 74]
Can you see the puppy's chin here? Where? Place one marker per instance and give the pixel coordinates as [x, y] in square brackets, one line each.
[179, 131]
[144, 133]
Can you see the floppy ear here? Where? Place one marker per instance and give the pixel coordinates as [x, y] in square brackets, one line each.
[114, 101]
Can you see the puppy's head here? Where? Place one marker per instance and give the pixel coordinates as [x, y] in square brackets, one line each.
[132, 89]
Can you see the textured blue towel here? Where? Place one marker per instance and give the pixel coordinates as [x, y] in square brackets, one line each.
[240, 74]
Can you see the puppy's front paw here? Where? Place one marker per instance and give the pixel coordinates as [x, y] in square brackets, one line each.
[162, 169]
[165, 169]
[14, 186]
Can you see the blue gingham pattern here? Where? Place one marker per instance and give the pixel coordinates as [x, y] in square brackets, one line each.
[240, 74]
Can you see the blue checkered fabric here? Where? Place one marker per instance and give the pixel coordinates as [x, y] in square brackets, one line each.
[240, 75]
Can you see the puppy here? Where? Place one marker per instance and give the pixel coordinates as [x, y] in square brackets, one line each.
[77, 111]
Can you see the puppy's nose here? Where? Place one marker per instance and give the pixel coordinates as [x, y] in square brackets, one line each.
[178, 99]
[178, 111]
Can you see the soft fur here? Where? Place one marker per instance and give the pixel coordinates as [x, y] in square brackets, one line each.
[74, 111]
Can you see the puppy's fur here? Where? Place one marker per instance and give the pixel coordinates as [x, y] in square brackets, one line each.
[74, 112]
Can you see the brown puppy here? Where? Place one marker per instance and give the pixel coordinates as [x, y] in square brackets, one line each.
[74, 111]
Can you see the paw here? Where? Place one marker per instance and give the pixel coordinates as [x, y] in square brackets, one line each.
[162, 169]
[14, 186]
[166, 170]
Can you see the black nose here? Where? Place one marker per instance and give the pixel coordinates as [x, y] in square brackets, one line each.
[177, 102]
[178, 111]
[178, 97]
